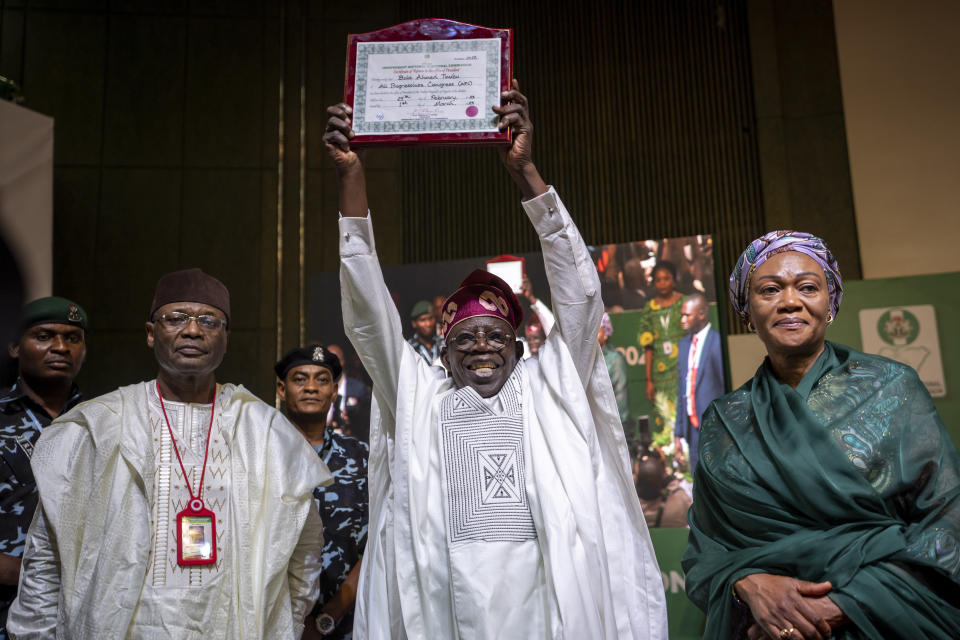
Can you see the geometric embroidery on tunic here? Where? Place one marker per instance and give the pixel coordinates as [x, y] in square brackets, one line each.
[189, 422]
[482, 452]
[499, 477]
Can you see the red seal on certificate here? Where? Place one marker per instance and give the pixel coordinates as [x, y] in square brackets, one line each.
[196, 525]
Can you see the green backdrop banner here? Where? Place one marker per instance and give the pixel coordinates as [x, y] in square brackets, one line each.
[685, 619]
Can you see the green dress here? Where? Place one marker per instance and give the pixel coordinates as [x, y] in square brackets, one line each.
[660, 330]
[850, 477]
[617, 368]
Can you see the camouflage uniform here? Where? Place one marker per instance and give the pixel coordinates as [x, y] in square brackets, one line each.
[21, 421]
[343, 508]
[431, 354]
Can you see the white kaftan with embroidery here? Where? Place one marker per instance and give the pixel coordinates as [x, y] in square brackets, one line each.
[97, 560]
[537, 533]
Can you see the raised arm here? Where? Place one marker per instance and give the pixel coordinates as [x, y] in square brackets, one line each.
[574, 284]
[517, 158]
[348, 163]
[370, 317]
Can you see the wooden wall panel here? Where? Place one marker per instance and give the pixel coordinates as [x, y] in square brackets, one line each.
[644, 121]
[166, 158]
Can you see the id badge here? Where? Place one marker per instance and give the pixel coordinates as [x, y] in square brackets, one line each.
[196, 535]
[667, 348]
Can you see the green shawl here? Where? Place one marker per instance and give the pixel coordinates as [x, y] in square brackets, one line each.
[850, 478]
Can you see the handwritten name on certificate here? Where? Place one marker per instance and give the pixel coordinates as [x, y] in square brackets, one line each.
[430, 86]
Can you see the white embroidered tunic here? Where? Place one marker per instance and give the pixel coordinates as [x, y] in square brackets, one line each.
[100, 557]
[451, 552]
[488, 515]
[167, 583]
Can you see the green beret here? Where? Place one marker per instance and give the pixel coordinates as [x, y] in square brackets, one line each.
[53, 310]
[421, 308]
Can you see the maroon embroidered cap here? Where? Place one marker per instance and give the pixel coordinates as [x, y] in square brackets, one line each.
[481, 294]
[191, 285]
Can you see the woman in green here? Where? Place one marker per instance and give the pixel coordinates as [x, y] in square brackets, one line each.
[827, 498]
[660, 331]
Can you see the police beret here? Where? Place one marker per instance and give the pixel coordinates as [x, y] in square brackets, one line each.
[314, 354]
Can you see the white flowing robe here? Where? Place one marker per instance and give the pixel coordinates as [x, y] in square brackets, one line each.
[88, 549]
[601, 579]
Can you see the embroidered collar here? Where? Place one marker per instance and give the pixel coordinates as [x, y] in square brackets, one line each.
[509, 395]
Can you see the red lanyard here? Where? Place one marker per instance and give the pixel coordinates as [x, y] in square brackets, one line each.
[196, 504]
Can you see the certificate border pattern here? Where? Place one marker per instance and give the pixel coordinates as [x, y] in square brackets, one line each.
[491, 46]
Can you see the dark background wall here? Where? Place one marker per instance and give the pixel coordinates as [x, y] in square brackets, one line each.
[165, 157]
[189, 134]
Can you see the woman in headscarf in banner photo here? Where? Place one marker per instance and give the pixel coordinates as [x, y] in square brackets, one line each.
[826, 499]
[660, 331]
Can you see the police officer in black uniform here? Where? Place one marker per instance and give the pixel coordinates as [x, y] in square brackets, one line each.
[49, 352]
[307, 383]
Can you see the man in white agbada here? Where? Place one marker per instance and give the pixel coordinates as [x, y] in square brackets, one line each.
[102, 558]
[501, 499]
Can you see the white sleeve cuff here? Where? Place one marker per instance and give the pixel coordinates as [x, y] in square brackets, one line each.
[356, 236]
[546, 212]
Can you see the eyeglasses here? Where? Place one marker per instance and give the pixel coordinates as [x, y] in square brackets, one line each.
[178, 319]
[467, 341]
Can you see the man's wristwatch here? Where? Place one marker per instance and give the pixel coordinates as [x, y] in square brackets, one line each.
[325, 624]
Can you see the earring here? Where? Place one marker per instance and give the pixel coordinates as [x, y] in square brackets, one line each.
[829, 318]
[750, 327]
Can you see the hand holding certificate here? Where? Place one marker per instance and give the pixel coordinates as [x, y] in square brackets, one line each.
[428, 81]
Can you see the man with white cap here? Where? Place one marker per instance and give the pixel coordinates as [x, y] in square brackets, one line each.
[174, 508]
[501, 500]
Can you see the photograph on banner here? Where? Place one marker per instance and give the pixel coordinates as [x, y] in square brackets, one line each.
[660, 298]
